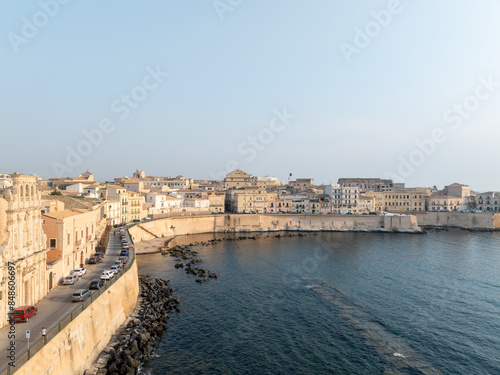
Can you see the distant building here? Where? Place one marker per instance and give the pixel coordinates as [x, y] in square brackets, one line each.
[367, 184]
[445, 203]
[250, 200]
[302, 183]
[345, 199]
[240, 179]
[488, 201]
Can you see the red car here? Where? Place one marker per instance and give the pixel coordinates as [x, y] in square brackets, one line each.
[23, 313]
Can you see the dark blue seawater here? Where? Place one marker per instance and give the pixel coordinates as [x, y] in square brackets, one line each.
[336, 303]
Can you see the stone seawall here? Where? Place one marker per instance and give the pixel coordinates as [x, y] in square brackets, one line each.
[77, 346]
[262, 222]
[470, 221]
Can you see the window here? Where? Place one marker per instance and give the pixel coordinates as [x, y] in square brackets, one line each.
[53, 243]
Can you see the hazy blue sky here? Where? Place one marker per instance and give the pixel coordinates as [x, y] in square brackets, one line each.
[233, 67]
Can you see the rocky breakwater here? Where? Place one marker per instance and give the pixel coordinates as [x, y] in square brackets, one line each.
[135, 340]
[184, 253]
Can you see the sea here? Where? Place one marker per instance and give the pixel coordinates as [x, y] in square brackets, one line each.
[334, 303]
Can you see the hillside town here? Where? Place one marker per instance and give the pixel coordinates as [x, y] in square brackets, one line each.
[49, 227]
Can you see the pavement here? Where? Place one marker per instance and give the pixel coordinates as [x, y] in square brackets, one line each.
[56, 305]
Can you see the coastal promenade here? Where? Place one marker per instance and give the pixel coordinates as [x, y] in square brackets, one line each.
[56, 310]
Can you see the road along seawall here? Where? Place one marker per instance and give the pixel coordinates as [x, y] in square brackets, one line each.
[261, 222]
[76, 347]
[481, 221]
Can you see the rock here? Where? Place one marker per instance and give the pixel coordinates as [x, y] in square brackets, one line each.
[113, 368]
[91, 371]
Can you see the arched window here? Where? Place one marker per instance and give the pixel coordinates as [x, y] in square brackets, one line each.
[32, 192]
[27, 195]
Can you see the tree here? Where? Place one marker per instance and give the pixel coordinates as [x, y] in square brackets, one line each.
[56, 192]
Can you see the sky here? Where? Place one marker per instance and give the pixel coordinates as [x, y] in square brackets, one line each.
[321, 89]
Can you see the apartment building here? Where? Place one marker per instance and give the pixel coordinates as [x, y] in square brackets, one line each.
[488, 201]
[250, 200]
[345, 199]
[72, 236]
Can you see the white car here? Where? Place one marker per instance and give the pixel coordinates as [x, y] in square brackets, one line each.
[107, 275]
[78, 271]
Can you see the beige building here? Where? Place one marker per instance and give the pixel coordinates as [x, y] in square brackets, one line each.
[444, 203]
[378, 200]
[134, 184]
[136, 209]
[405, 199]
[216, 201]
[366, 204]
[23, 247]
[72, 236]
[112, 210]
[250, 200]
[238, 179]
[457, 190]
[302, 183]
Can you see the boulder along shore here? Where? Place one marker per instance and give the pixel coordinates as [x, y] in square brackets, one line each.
[134, 342]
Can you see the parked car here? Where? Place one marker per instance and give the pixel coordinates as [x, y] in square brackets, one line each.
[116, 268]
[70, 280]
[124, 253]
[136, 221]
[93, 260]
[78, 271]
[99, 256]
[80, 295]
[96, 284]
[124, 259]
[23, 313]
[119, 263]
[107, 275]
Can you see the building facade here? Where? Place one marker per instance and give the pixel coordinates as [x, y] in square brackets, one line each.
[23, 249]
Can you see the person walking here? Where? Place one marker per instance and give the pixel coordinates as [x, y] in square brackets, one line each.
[43, 332]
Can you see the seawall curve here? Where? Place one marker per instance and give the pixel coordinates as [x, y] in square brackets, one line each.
[268, 222]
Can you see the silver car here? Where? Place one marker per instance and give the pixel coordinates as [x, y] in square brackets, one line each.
[80, 295]
[70, 280]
